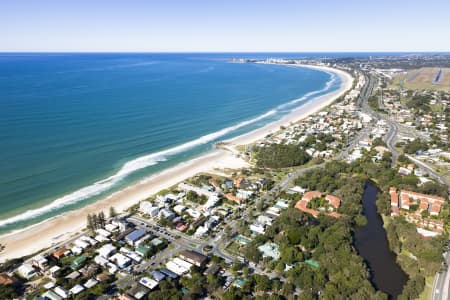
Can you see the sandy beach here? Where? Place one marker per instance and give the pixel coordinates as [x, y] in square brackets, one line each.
[58, 229]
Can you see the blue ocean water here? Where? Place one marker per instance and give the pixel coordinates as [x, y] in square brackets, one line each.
[77, 127]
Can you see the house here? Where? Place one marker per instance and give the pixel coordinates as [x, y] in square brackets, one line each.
[121, 223]
[51, 295]
[183, 263]
[166, 214]
[169, 273]
[158, 276]
[193, 257]
[120, 260]
[125, 297]
[308, 196]
[103, 232]
[258, 228]
[111, 227]
[201, 231]
[263, 219]
[78, 262]
[81, 243]
[333, 200]
[60, 253]
[146, 208]
[90, 283]
[270, 250]
[233, 198]
[106, 250]
[404, 171]
[148, 283]
[76, 289]
[72, 276]
[5, 279]
[175, 268]
[134, 236]
[54, 271]
[62, 292]
[100, 260]
[138, 292]
[40, 262]
[179, 209]
[142, 251]
[26, 271]
[76, 250]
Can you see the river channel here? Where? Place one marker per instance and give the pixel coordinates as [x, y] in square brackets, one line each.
[372, 244]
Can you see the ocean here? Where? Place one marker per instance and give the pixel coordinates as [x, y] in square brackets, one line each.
[75, 128]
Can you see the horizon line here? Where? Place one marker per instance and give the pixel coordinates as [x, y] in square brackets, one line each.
[225, 52]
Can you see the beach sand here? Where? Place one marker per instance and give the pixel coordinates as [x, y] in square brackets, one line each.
[58, 229]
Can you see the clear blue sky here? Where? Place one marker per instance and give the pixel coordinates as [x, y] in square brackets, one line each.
[229, 25]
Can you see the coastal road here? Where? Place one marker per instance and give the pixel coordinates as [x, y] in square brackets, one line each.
[441, 283]
[429, 170]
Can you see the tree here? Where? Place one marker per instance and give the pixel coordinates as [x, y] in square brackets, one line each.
[251, 253]
[281, 156]
[90, 222]
[112, 212]
[101, 219]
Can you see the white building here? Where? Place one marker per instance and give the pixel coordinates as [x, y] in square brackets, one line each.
[61, 292]
[148, 209]
[148, 283]
[106, 250]
[26, 271]
[258, 228]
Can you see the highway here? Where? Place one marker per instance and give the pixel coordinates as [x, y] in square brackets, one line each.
[441, 284]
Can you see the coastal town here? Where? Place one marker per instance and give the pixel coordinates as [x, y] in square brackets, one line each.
[270, 230]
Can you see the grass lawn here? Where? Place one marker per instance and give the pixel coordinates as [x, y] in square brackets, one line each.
[233, 248]
[425, 295]
[386, 221]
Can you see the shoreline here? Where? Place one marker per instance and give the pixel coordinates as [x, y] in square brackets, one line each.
[59, 228]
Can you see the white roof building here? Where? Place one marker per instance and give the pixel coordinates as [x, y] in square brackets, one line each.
[179, 208]
[182, 263]
[90, 283]
[121, 260]
[81, 244]
[103, 232]
[26, 271]
[106, 250]
[76, 289]
[177, 269]
[147, 208]
[101, 260]
[148, 283]
[258, 228]
[111, 227]
[76, 250]
[61, 292]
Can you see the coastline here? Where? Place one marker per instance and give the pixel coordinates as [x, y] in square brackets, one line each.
[47, 233]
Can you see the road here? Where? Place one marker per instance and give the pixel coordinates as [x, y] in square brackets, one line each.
[442, 280]
[441, 283]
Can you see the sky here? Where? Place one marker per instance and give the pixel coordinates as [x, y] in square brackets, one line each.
[224, 26]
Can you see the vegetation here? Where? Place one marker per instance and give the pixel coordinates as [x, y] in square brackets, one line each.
[281, 156]
[415, 145]
[96, 221]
